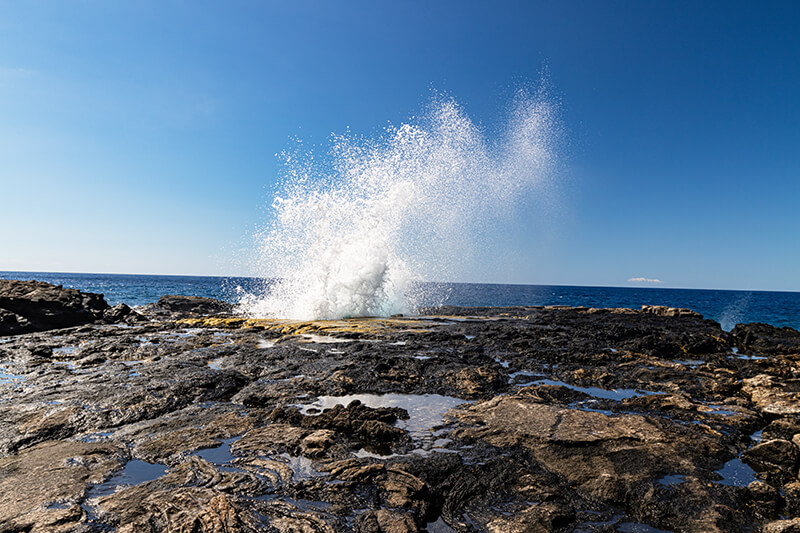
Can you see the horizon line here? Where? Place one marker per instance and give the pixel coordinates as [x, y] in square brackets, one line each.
[661, 287]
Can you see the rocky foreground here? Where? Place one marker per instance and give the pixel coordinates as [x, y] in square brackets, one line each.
[181, 417]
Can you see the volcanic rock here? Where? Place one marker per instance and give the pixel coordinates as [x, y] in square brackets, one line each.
[27, 306]
[192, 305]
[561, 420]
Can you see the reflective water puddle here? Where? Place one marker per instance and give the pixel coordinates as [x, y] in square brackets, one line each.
[425, 411]
[134, 472]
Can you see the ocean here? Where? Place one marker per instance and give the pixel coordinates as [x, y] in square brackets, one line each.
[726, 307]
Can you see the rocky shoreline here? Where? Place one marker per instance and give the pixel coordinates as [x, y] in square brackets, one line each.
[180, 416]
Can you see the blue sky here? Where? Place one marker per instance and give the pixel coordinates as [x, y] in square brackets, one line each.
[140, 137]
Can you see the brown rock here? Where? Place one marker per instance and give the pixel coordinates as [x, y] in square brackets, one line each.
[791, 493]
[315, 444]
[270, 440]
[661, 310]
[51, 472]
[475, 381]
[771, 454]
[783, 526]
[773, 396]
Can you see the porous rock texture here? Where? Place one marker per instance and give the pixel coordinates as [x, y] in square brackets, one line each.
[515, 419]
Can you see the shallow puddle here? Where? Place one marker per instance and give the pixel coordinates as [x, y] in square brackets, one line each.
[220, 455]
[689, 362]
[302, 467]
[670, 480]
[439, 526]
[191, 332]
[97, 436]
[513, 378]
[324, 339]
[587, 406]
[215, 364]
[303, 505]
[721, 410]
[596, 392]
[738, 355]
[638, 527]
[736, 473]
[6, 377]
[134, 472]
[58, 506]
[424, 410]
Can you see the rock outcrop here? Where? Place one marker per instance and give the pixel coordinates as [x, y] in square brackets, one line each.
[186, 306]
[471, 419]
[27, 306]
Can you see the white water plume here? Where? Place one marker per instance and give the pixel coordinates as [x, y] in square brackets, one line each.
[355, 234]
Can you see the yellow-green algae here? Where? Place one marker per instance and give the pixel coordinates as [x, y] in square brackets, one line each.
[350, 327]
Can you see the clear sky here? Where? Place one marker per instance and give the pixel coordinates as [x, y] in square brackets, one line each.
[140, 136]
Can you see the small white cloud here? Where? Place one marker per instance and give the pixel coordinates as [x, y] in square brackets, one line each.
[644, 280]
[15, 73]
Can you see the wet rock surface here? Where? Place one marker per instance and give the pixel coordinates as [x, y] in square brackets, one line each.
[27, 306]
[466, 419]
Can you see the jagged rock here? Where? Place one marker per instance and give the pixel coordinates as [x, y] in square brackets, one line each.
[661, 310]
[791, 494]
[51, 473]
[193, 305]
[766, 339]
[119, 313]
[372, 427]
[607, 458]
[640, 419]
[776, 453]
[27, 306]
[385, 521]
[773, 396]
[783, 526]
[315, 444]
[476, 381]
[271, 440]
[765, 498]
[12, 323]
[542, 517]
[781, 428]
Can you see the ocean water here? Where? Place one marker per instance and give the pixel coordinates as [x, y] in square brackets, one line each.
[726, 307]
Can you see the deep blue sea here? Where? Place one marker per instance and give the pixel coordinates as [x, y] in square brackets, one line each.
[726, 307]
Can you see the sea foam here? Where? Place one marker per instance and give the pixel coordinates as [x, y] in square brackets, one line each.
[355, 233]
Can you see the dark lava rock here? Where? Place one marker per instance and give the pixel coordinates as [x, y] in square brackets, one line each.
[782, 428]
[193, 305]
[27, 306]
[772, 454]
[119, 313]
[766, 339]
[766, 499]
[473, 419]
[791, 493]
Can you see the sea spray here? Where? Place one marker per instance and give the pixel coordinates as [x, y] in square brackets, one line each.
[734, 312]
[357, 233]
